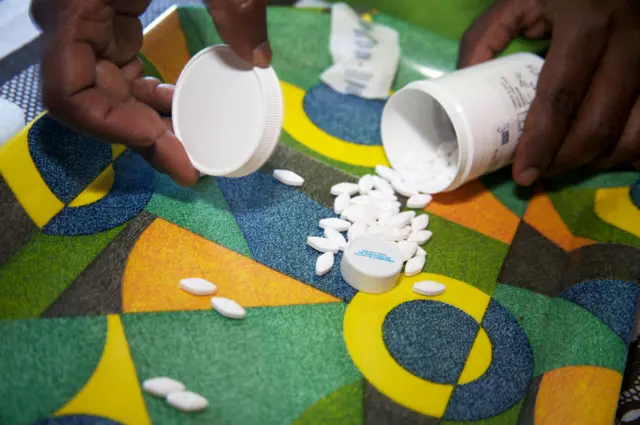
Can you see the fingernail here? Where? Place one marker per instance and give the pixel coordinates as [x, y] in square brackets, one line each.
[529, 176]
[262, 55]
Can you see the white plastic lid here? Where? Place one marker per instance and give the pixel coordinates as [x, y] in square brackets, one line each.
[227, 113]
[372, 264]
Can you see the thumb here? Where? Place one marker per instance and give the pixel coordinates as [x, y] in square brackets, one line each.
[491, 32]
[242, 24]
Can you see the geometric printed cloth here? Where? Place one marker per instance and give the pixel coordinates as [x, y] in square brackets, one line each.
[534, 327]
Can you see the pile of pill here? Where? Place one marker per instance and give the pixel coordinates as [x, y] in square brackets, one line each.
[371, 207]
[175, 393]
[437, 170]
[223, 306]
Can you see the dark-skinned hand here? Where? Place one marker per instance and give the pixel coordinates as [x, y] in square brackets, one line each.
[93, 81]
[587, 107]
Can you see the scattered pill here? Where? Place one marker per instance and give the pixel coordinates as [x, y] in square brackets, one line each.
[341, 203]
[421, 251]
[374, 230]
[414, 265]
[420, 236]
[405, 232]
[365, 184]
[420, 222]
[348, 188]
[403, 188]
[386, 173]
[356, 231]
[382, 185]
[335, 223]
[386, 215]
[228, 308]
[336, 237]
[362, 200]
[322, 244]
[324, 263]
[382, 196]
[162, 386]
[390, 206]
[198, 286]
[187, 401]
[429, 288]
[288, 177]
[419, 201]
[408, 249]
[401, 220]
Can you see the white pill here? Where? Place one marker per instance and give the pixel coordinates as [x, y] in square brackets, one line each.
[391, 234]
[388, 205]
[382, 196]
[198, 286]
[374, 230]
[357, 230]
[429, 288]
[401, 220]
[419, 201]
[414, 265]
[335, 223]
[373, 211]
[161, 386]
[362, 200]
[420, 236]
[403, 188]
[420, 222]
[228, 308]
[348, 188]
[187, 401]
[322, 244]
[365, 184]
[405, 232]
[386, 173]
[382, 185]
[408, 249]
[288, 177]
[324, 263]
[341, 203]
[386, 215]
[421, 251]
[336, 237]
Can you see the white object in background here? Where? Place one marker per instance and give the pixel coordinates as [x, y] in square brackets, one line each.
[365, 55]
[481, 108]
[227, 113]
[371, 264]
[419, 201]
[322, 244]
[16, 26]
[187, 401]
[162, 386]
[415, 265]
[288, 177]
[228, 308]
[198, 286]
[324, 263]
[429, 288]
[11, 119]
[348, 188]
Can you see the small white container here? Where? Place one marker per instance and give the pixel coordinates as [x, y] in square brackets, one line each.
[227, 113]
[372, 264]
[482, 108]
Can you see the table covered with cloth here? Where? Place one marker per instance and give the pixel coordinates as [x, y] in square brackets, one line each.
[534, 327]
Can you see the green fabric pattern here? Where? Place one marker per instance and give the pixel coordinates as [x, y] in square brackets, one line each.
[37, 274]
[271, 358]
[512, 196]
[343, 407]
[201, 209]
[44, 363]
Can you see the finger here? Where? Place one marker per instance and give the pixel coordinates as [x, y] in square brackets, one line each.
[628, 148]
[606, 107]
[152, 92]
[565, 77]
[242, 24]
[168, 156]
[491, 32]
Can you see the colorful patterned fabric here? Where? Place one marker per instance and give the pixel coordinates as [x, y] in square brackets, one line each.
[534, 327]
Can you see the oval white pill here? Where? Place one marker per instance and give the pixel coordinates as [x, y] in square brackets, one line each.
[228, 308]
[414, 265]
[421, 251]
[361, 200]
[386, 215]
[335, 223]
[429, 288]
[288, 177]
[324, 263]
[401, 220]
[382, 196]
[341, 203]
[348, 188]
[336, 237]
[386, 173]
[161, 386]
[420, 222]
[357, 230]
[408, 249]
[420, 236]
[403, 188]
[187, 401]
[198, 286]
[405, 232]
[322, 244]
[365, 184]
[419, 201]
[382, 185]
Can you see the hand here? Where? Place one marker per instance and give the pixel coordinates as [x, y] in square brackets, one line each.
[587, 105]
[93, 81]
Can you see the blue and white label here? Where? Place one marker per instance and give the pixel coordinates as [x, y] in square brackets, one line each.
[379, 256]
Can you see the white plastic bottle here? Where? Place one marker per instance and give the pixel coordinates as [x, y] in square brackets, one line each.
[11, 120]
[481, 108]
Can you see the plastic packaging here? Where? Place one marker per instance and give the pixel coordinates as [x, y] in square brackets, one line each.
[481, 109]
[11, 121]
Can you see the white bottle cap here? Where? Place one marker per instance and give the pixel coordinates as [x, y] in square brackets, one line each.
[227, 113]
[371, 264]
